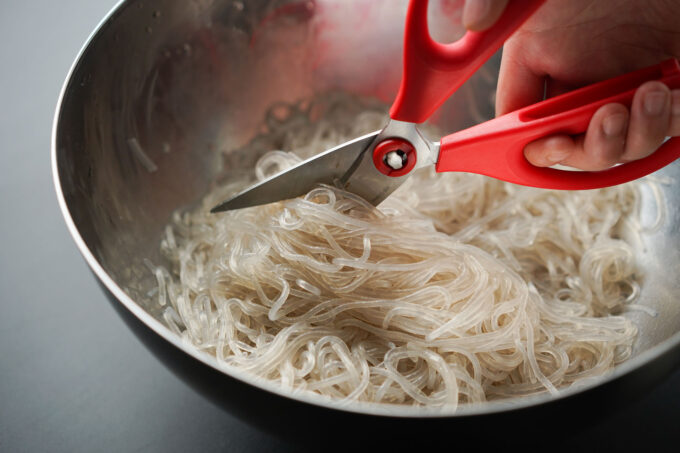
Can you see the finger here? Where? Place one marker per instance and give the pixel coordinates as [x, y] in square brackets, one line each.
[600, 148]
[605, 140]
[552, 150]
[674, 129]
[479, 15]
[556, 87]
[650, 120]
[518, 86]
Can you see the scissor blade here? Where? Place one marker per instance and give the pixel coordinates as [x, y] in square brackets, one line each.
[330, 167]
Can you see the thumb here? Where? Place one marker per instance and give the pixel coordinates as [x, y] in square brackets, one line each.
[518, 84]
[479, 15]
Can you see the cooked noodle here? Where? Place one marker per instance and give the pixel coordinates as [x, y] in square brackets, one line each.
[459, 289]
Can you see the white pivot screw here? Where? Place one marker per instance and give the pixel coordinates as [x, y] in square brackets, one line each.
[396, 159]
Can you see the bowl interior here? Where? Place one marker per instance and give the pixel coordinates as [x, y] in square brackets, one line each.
[165, 96]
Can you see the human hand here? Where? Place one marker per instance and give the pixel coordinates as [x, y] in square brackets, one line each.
[572, 43]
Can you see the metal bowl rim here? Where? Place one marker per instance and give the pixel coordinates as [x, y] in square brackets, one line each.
[377, 409]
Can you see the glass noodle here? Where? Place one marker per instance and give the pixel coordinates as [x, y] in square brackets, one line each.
[458, 289]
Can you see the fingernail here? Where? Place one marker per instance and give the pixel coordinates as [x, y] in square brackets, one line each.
[654, 102]
[475, 11]
[613, 125]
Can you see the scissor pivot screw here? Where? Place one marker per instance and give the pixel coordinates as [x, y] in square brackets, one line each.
[394, 157]
[396, 160]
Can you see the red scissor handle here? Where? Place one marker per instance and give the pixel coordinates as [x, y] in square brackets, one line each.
[496, 148]
[433, 71]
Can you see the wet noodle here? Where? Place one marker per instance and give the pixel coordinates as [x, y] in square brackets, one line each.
[459, 289]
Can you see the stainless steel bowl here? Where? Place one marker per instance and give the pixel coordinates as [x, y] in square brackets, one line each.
[158, 106]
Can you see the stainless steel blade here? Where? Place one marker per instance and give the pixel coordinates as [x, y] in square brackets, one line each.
[330, 167]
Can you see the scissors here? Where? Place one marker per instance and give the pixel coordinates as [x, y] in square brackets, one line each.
[375, 165]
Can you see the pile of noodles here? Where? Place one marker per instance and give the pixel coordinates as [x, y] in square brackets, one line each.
[458, 289]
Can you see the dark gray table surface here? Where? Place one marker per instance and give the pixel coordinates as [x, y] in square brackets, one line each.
[72, 377]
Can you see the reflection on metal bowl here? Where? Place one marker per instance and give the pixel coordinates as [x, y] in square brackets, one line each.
[158, 106]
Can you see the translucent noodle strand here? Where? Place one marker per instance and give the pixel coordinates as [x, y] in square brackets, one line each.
[459, 289]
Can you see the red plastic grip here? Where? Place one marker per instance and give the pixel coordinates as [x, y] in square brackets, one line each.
[496, 148]
[433, 71]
